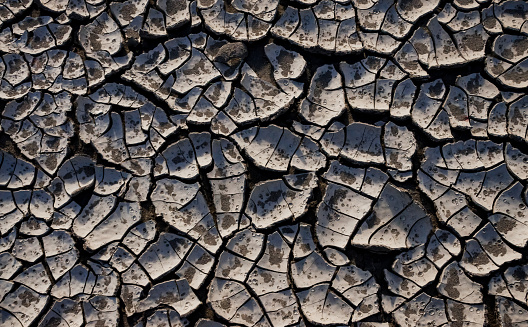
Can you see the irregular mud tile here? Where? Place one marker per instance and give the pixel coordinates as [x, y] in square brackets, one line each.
[497, 120]
[225, 297]
[476, 261]
[197, 71]
[228, 20]
[363, 143]
[9, 264]
[269, 100]
[77, 9]
[339, 213]
[517, 161]
[77, 174]
[174, 192]
[11, 8]
[287, 23]
[266, 147]
[9, 211]
[401, 286]
[228, 57]
[101, 310]
[173, 293]
[336, 257]
[102, 39]
[456, 285]
[176, 12]
[7, 239]
[63, 218]
[16, 173]
[109, 181]
[165, 318]
[312, 131]
[417, 312]
[33, 227]
[60, 251]
[511, 212]
[28, 309]
[499, 252]
[496, 180]
[247, 243]
[28, 249]
[286, 63]
[306, 34]
[354, 283]
[508, 65]
[197, 267]
[138, 189]
[396, 222]
[249, 314]
[326, 97]
[233, 267]
[65, 311]
[517, 118]
[39, 34]
[276, 254]
[206, 232]
[274, 201]
[308, 156]
[415, 266]
[281, 308]
[408, 57]
[164, 255]
[114, 226]
[155, 23]
[470, 314]
[379, 43]
[507, 17]
[181, 160]
[93, 213]
[288, 232]
[321, 305]
[333, 140]
[370, 83]
[456, 106]
[125, 12]
[512, 283]
[509, 312]
[202, 146]
[442, 247]
[445, 51]
[304, 244]
[263, 281]
[399, 148]
[391, 303]
[311, 270]
[426, 112]
[135, 275]
[121, 259]
[138, 237]
[132, 144]
[369, 306]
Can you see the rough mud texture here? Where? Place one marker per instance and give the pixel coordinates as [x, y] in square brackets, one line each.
[263, 163]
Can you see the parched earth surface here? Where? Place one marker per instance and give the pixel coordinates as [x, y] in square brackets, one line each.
[264, 163]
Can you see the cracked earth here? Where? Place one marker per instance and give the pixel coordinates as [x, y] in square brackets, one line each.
[263, 163]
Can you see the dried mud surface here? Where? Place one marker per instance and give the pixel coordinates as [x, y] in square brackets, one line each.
[264, 163]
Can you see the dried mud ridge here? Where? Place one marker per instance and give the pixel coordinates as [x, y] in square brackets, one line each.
[263, 163]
